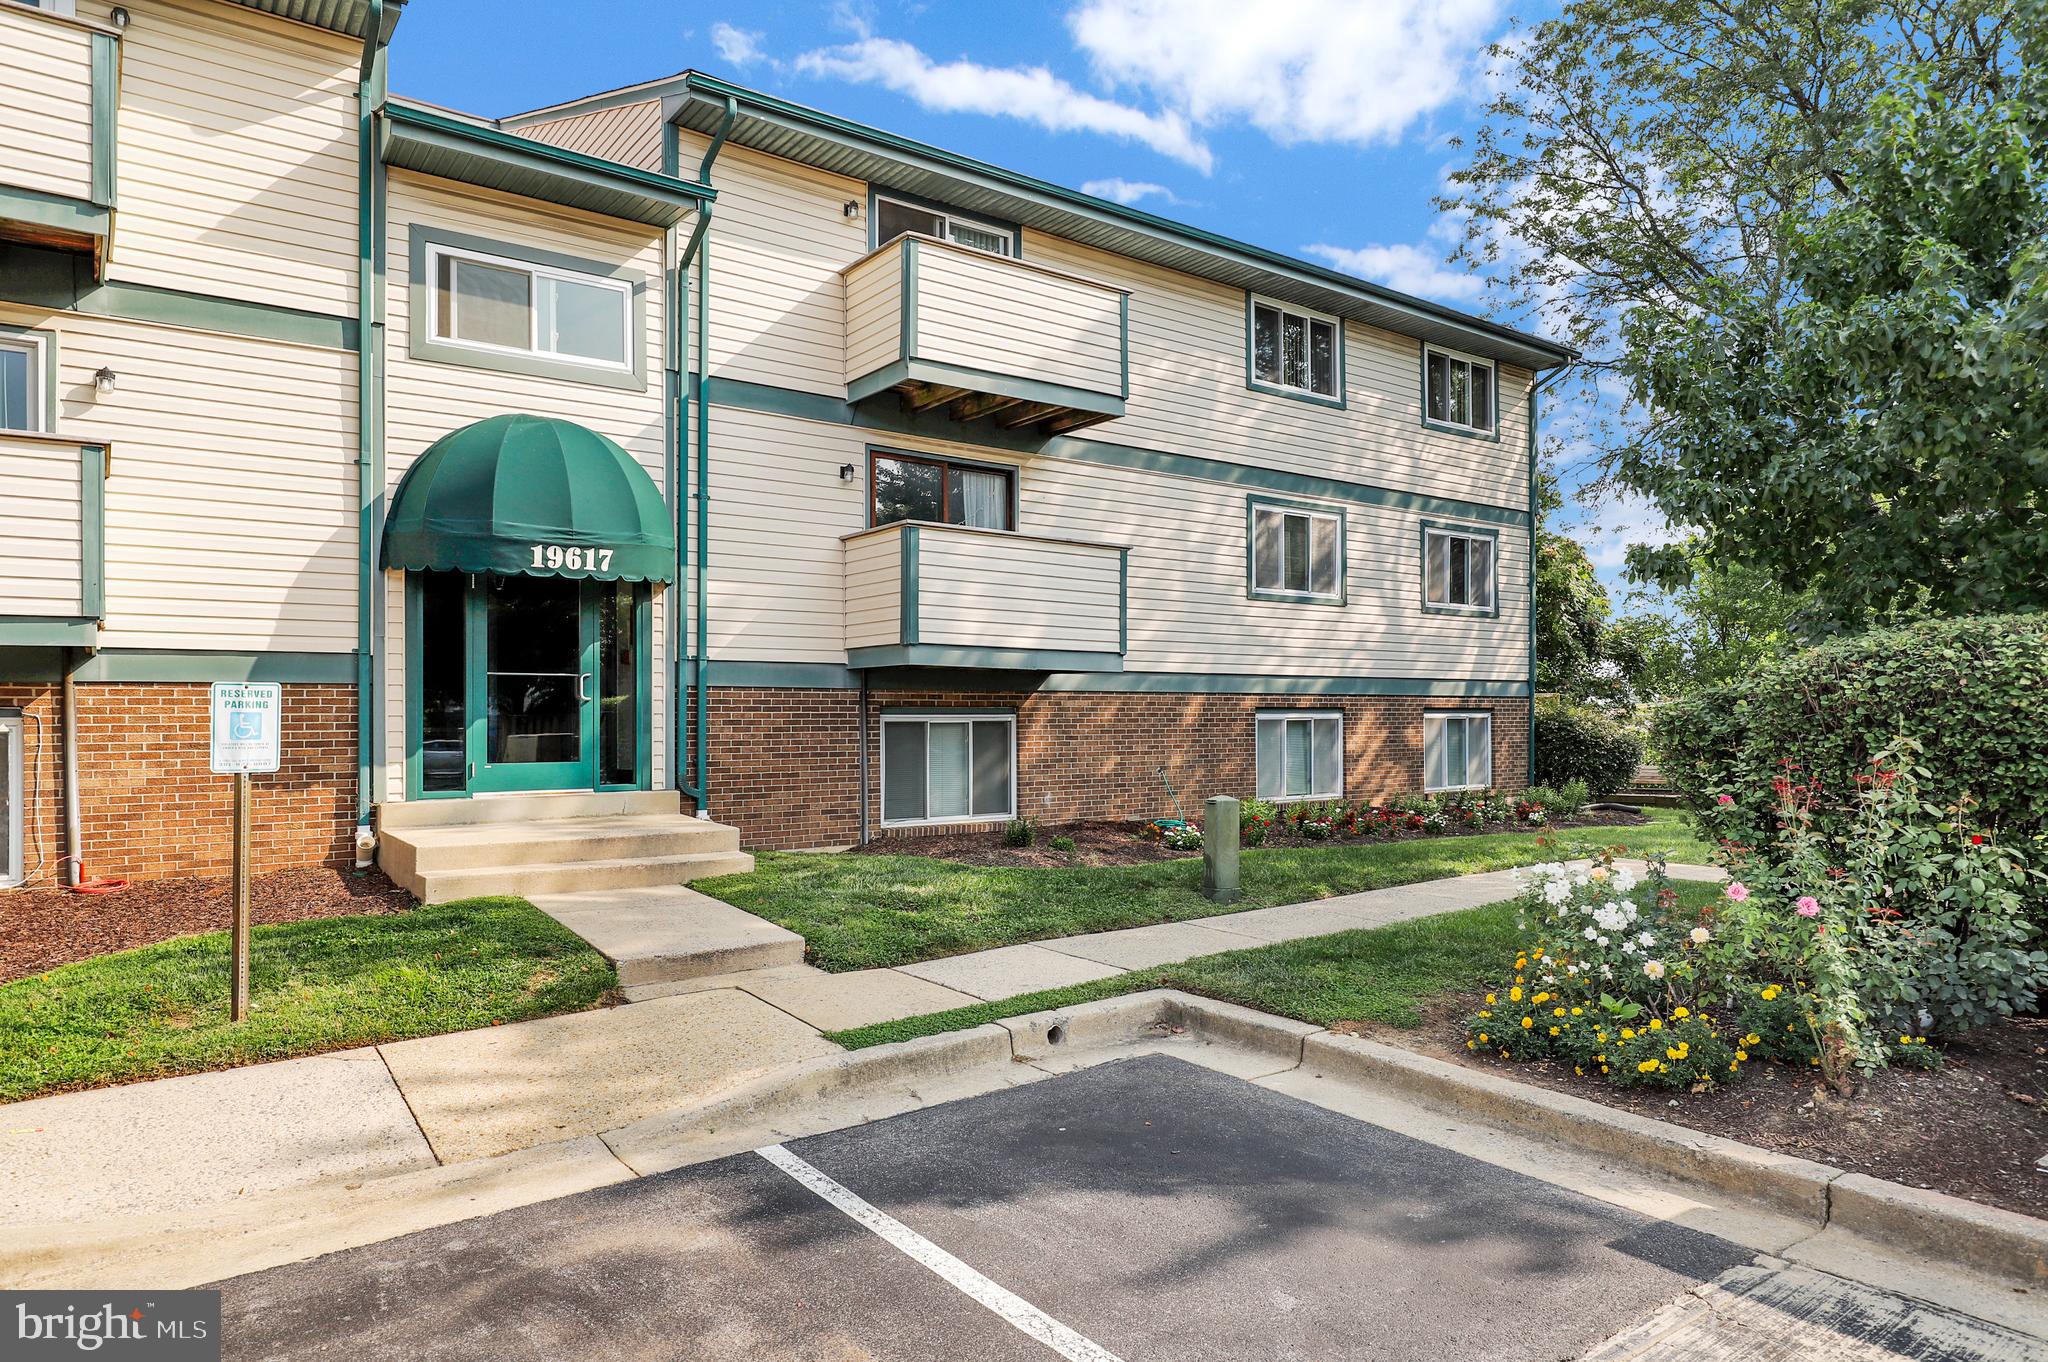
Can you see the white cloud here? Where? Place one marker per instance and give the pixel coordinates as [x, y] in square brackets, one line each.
[1128, 191]
[736, 46]
[1304, 71]
[1617, 521]
[1411, 269]
[1032, 93]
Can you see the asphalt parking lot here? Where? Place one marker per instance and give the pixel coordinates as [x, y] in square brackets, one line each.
[1144, 1209]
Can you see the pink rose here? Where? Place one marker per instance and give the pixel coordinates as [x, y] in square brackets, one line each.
[1738, 891]
[1725, 799]
[1807, 906]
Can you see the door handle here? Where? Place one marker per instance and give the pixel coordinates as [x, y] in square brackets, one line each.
[582, 692]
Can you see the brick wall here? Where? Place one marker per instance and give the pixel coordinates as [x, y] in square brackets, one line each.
[783, 764]
[151, 809]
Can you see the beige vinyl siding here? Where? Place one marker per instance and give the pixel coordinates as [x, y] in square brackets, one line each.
[989, 589]
[874, 590]
[426, 399]
[778, 586]
[1007, 317]
[42, 506]
[237, 156]
[46, 118]
[1188, 394]
[874, 314]
[629, 133]
[231, 494]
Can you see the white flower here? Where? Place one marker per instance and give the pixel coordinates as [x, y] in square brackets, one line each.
[1628, 948]
[1556, 892]
[1623, 881]
[1592, 935]
[1701, 936]
[1646, 938]
[1602, 941]
[1654, 968]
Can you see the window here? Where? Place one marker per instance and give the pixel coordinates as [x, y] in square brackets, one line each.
[1297, 552]
[894, 218]
[908, 488]
[1301, 755]
[510, 306]
[10, 798]
[1295, 351]
[1458, 390]
[1457, 751]
[1457, 570]
[948, 770]
[22, 375]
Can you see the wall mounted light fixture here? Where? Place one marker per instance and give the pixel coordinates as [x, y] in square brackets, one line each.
[846, 472]
[851, 208]
[103, 380]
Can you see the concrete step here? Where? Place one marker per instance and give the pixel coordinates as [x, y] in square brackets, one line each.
[550, 841]
[527, 881]
[668, 933]
[525, 808]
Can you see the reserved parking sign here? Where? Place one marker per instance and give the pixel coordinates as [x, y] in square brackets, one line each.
[247, 719]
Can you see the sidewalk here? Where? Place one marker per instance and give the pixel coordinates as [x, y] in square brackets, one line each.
[414, 1107]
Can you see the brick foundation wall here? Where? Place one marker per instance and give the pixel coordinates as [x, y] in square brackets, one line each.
[783, 764]
[150, 808]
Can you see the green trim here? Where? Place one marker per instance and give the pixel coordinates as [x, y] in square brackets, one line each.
[1123, 601]
[942, 712]
[906, 299]
[1123, 346]
[771, 675]
[1256, 384]
[47, 342]
[434, 144]
[57, 212]
[1444, 427]
[992, 659]
[106, 105]
[906, 601]
[92, 516]
[1252, 592]
[1471, 532]
[827, 676]
[372, 86]
[163, 664]
[62, 281]
[48, 631]
[421, 343]
[945, 375]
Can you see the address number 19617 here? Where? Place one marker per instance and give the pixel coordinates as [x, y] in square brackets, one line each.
[575, 559]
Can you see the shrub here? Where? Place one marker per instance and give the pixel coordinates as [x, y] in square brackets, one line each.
[1255, 820]
[1186, 837]
[1577, 742]
[1561, 801]
[1063, 845]
[1967, 690]
[1019, 832]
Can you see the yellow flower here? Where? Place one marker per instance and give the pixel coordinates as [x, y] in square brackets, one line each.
[1540, 998]
[1672, 1052]
[1769, 993]
[1742, 1055]
[1482, 1038]
[1905, 1040]
[1553, 1030]
[1514, 995]
[1656, 1024]
[1557, 1012]
[1578, 1011]
[1490, 998]
[1528, 1022]
[1646, 1066]
[1628, 1033]
[1679, 1014]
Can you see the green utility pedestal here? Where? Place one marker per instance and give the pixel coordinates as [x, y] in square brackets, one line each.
[1219, 850]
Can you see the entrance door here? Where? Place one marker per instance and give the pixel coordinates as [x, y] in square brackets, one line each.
[525, 683]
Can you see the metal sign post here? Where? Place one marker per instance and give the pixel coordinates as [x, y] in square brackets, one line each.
[247, 724]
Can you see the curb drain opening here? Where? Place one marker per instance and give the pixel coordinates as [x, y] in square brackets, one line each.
[1055, 1033]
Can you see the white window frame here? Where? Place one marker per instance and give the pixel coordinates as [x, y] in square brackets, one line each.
[11, 869]
[947, 217]
[1280, 591]
[67, 8]
[37, 347]
[1447, 605]
[1475, 363]
[1435, 719]
[1280, 385]
[437, 252]
[966, 721]
[1308, 716]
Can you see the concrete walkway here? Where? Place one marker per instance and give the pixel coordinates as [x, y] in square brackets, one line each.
[422, 1107]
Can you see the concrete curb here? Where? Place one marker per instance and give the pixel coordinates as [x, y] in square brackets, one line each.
[1947, 1228]
[1781, 1181]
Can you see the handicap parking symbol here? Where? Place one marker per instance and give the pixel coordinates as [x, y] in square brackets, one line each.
[245, 726]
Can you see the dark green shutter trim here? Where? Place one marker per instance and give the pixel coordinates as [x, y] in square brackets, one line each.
[726, 392]
[992, 659]
[1123, 602]
[93, 531]
[58, 212]
[162, 664]
[906, 604]
[906, 322]
[827, 676]
[106, 104]
[62, 281]
[48, 631]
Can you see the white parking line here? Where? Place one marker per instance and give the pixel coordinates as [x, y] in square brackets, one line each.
[1007, 1305]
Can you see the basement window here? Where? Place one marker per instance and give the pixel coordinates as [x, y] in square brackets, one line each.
[946, 769]
[1301, 755]
[1457, 751]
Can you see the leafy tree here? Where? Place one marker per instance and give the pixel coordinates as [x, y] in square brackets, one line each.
[1803, 239]
[1572, 607]
[1724, 624]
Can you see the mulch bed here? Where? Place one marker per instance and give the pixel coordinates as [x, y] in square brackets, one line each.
[1112, 842]
[44, 928]
[1972, 1128]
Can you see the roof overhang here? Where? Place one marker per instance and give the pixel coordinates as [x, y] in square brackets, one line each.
[808, 136]
[452, 148]
[351, 17]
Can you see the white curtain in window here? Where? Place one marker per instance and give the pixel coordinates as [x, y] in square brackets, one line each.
[984, 499]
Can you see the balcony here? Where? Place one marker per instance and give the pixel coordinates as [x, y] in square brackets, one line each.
[62, 77]
[925, 595]
[52, 540]
[985, 338]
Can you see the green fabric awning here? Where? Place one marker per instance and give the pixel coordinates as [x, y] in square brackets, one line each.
[534, 496]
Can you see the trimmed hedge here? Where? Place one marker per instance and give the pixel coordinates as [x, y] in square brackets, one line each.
[1973, 691]
[1576, 742]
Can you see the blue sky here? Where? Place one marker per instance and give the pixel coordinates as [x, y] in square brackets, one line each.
[1316, 127]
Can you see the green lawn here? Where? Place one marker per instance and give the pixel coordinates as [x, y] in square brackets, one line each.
[313, 986]
[1380, 974]
[857, 912]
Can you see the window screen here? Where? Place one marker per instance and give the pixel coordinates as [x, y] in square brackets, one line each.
[1296, 553]
[1300, 756]
[1457, 751]
[944, 770]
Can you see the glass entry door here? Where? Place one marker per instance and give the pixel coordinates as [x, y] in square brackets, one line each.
[526, 683]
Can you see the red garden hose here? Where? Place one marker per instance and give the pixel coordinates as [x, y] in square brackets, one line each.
[95, 885]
